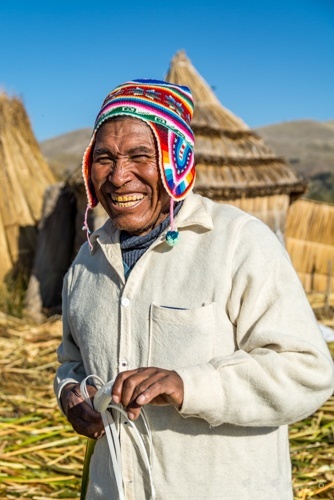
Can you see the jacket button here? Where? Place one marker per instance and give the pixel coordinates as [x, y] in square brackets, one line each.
[125, 302]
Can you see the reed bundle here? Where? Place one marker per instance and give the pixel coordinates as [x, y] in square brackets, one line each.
[310, 220]
[310, 256]
[41, 457]
[24, 172]
[310, 243]
[24, 175]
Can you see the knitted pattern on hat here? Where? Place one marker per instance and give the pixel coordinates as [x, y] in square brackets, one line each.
[167, 108]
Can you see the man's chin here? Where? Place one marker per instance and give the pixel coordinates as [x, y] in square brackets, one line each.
[135, 227]
[131, 227]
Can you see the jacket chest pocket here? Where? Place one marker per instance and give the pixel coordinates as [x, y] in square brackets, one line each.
[181, 337]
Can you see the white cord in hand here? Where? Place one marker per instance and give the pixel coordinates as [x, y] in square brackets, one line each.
[103, 403]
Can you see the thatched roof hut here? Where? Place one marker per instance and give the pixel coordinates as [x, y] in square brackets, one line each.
[232, 162]
[24, 177]
[310, 243]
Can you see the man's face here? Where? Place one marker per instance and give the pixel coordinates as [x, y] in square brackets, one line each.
[126, 177]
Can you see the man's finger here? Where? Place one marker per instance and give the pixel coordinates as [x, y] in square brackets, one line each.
[126, 383]
[150, 388]
[163, 387]
[116, 392]
[136, 388]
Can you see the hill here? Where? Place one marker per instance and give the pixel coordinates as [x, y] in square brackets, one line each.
[309, 147]
[64, 152]
[307, 144]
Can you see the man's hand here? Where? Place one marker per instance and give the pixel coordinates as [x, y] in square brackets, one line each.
[81, 416]
[136, 388]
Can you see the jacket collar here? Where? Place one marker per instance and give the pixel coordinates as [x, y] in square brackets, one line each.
[194, 213]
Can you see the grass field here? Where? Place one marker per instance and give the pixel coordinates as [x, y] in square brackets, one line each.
[40, 455]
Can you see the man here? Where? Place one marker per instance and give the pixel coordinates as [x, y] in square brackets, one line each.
[201, 320]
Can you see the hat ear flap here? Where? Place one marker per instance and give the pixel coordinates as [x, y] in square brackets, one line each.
[86, 173]
[177, 166]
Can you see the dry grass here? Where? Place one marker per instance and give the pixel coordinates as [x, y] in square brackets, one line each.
[310, 243]
[42, 458]
[40, 455]
[311, 221]
[24, 175]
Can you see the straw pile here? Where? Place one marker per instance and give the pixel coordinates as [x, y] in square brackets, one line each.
[42, 458]
[24, 175]
[310, 243]
[40, 455]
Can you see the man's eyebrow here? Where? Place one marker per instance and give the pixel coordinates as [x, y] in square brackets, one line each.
[131, 151]
[140, 149]
[100, 151]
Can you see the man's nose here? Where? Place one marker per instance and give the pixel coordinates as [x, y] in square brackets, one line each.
[120, 172]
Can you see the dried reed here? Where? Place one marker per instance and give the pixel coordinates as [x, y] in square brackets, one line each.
[40, 455]
[24, 175]
[310, 243]
[310, 220]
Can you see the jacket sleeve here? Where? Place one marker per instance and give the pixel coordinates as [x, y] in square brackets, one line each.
[71, 369]
[282, 370]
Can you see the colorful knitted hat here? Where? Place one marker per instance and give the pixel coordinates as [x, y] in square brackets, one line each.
[167, 108]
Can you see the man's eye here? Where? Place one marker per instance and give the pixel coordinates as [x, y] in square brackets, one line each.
[140, 158]
[103, 160]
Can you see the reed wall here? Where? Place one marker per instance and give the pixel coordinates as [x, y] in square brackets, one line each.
[310, 243]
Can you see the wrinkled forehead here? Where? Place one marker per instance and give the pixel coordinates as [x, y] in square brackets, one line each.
[125, 130]
[125, 122]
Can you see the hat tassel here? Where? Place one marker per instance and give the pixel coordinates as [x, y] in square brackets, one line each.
[172, 236]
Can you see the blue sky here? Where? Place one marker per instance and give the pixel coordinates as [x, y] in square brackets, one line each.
[268, 61]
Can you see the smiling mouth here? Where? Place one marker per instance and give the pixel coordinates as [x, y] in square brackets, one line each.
[126, 201]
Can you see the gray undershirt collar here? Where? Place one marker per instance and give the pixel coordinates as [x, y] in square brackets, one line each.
[133, 246]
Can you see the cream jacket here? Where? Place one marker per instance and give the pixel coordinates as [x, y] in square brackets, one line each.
[225, 309]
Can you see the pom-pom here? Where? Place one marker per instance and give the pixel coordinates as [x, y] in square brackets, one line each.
[172, 238]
